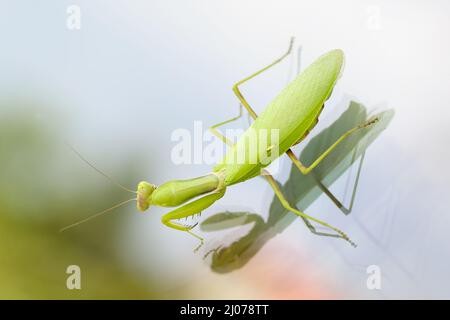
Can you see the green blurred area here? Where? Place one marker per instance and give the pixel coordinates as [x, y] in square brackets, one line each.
[40, 192]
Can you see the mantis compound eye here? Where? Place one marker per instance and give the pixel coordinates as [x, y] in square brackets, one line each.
[144, 192]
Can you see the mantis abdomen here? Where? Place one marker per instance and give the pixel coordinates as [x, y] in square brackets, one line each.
[292, 113]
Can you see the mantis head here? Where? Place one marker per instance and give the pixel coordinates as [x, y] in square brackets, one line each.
[144, 192]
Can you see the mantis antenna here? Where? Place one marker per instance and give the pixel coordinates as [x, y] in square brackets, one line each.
[96, 215]
[98, 170]
[107, 177]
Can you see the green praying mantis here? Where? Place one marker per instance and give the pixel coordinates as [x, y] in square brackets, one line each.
[292, 114]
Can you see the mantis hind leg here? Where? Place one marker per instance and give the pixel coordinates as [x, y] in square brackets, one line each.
[333, 198]
[306, 218]
[191, 209]
[306, 170]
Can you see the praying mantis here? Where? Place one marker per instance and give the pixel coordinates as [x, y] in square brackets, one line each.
[292, 114]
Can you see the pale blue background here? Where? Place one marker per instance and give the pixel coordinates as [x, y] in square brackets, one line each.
[136, 71]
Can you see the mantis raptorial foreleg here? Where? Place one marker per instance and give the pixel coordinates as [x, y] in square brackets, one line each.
[191, 209]
[305, 217]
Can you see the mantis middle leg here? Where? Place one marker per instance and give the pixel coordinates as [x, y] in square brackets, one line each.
[214, 131]
[243, 101]
[287, 206]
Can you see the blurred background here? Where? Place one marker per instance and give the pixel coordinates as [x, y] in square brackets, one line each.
[116, 89]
